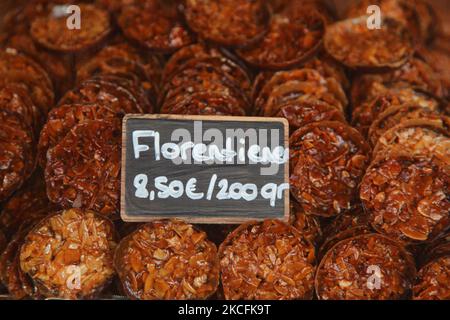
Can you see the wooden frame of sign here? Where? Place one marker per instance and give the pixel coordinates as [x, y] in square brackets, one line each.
[207, 214]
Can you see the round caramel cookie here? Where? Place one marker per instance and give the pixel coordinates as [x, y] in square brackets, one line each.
[433, 280]
[57, 65]
[294, 36]
[167, 260]
[297, 83]
[124, 59]
[204, 103]
[62, 119]
[128, 82]
[407, 197]
[18, 20]
[69, 254]
[300, 91]
[365, 114]
[301, 112]
[417, 137]
[414, 74]
[155, 24]
[366, 267]
[176, 97]
[438, 58]
[228, 22]
[198, 75]
[354, 45]
[112, 94]
[395, 115]
[14, 98]
[110, 61]
[52, 30]
[328, 68]
[328, 160]
[120, 48]
[186, 54]
[83, 170]
[17, 153]
[267, 260]
[204, 76]
[16, 68]
[417, 15]
[230, 72]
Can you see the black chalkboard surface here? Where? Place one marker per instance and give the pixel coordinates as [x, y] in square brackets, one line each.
[204, 169]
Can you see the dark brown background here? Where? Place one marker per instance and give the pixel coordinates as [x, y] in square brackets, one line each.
[442, 8]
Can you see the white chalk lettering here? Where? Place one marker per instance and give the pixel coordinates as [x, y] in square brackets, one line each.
[138, 148]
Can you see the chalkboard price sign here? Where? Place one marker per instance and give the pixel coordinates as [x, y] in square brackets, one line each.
[204, 169]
